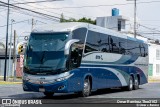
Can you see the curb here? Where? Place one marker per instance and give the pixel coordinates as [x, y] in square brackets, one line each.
[154, 81]
[9, 83]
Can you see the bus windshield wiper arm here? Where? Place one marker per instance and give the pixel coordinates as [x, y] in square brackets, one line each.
[43, 54]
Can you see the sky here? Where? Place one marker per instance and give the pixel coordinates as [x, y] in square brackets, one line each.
[147, 14]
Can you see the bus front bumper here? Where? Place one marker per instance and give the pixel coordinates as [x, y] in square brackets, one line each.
[57, 87]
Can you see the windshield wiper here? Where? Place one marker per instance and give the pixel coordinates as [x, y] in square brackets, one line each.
[43, 54]
[27, 70]
[43, 67]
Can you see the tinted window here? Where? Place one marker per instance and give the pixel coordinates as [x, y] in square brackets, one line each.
[114, 44]
[122, 46]
[93, 42]
[79, 34]
[143, 49]
[133, 48]
[104, 43]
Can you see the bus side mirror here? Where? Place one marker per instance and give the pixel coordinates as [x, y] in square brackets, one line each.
[68, 45]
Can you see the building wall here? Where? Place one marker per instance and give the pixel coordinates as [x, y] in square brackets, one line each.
[11, 72]
[154, 60]
[8, 73]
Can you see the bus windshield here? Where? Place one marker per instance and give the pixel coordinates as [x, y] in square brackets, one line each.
[45, 53]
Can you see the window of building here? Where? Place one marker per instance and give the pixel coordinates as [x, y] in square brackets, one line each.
[158, 54]
[158, 69]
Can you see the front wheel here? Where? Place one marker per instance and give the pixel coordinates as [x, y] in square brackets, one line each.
[86, 88]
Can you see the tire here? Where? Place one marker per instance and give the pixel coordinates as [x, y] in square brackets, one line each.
[130, 84]
[50, 94]
[136, 84]
[86, 88]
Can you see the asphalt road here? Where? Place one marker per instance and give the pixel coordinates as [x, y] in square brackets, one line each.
[150, 90]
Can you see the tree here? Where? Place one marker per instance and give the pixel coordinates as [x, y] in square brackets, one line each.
[84, 19]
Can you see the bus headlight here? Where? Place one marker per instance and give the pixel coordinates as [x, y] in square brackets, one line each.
[64, 78]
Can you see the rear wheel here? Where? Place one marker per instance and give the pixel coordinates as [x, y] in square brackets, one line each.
[130, 85]
[48, 94]
[86, 88]
[136, 84]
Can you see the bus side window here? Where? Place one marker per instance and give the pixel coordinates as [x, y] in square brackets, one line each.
[114, 42]
[122, 46]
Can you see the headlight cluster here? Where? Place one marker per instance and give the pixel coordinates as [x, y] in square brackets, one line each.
[63, 78]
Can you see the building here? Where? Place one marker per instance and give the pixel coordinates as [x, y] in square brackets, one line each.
[115, 22]
[154, 59]
[2, 62]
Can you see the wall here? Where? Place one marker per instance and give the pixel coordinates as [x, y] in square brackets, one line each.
[153, 60]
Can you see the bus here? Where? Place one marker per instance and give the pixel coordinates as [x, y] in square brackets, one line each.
[77, 57]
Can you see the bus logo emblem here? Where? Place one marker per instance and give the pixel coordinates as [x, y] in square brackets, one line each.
[99, 57]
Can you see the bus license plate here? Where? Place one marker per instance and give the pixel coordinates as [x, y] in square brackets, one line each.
[41, 89]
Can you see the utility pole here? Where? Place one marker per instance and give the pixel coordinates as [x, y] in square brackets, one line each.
[10, 48]
[135, 15]
[5, 64]
[135, 24]
[14, 56]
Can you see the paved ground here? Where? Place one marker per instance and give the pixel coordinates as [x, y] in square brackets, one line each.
[150, 90]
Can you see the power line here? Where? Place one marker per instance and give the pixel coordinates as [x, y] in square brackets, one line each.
[46, 10]
[3, 10]
[41, 17]
[59, 10]
[36, 2]
[153, 29]
[149, 33]
[105, 5]
[50, 11]
[31, 10]
[16, 23]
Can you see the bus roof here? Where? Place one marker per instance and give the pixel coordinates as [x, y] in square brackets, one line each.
[70, 26]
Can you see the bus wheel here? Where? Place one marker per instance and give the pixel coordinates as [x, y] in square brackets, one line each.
[136, 84]
[50, 94]
[86, 88]
[130, 85]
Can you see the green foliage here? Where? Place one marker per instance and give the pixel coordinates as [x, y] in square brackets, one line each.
[84, 19]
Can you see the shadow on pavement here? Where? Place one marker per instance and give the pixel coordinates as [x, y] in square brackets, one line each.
[65, 96]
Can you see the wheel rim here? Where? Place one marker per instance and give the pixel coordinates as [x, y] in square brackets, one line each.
[131, 84]
[86, 87]
[136, 83]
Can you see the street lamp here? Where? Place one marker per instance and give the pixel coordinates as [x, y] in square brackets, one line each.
[10, 45]
[135, 22]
